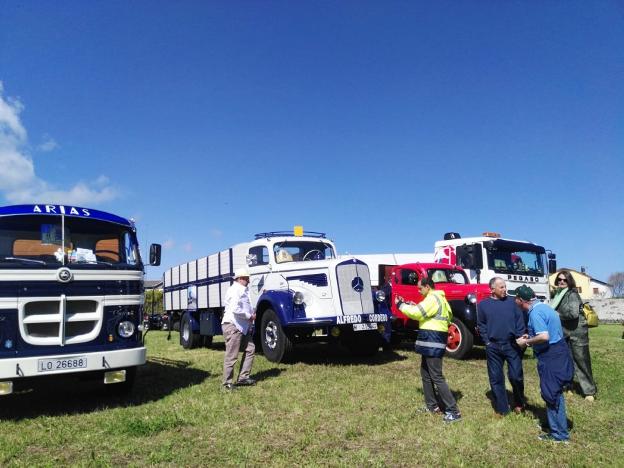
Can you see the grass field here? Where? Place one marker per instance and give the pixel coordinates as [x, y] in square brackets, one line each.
[325, 409]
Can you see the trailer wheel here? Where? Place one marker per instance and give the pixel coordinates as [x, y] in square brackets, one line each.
[276, 346]
[188, 339]
[460, 340]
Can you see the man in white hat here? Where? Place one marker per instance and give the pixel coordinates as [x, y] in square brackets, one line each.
[237, 325]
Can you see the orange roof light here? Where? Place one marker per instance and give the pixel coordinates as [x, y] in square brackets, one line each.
[491, 234]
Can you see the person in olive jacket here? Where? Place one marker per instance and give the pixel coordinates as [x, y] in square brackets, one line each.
[568, 303]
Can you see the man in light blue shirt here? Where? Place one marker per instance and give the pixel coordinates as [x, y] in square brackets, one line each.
[554, 363]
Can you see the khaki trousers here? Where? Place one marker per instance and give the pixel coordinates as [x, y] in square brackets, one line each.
[235, 341]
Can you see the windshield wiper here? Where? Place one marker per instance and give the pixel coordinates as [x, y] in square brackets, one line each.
[25, 260]
[92, 262]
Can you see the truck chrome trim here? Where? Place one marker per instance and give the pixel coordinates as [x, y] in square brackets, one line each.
[98, 360]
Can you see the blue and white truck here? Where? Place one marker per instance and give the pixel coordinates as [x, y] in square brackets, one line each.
[299, 288]
[71, 295]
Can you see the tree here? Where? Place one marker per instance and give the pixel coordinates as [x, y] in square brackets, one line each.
[153, 301]
[617, 281]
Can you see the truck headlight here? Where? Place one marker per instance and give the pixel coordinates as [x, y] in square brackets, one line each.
[125, 329]
[380, 295]
[298, 298]
[471, 298]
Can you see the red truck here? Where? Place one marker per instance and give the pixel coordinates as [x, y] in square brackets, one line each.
[462, 296]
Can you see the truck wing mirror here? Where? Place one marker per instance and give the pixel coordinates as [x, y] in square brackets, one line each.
[552, 265]
[552, 262]
[252, 260]
[154, 257]
[470, 256]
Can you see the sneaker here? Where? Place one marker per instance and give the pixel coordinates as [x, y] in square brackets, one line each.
[452, 417]
[590, 398]
[229, 387]
[246, 382]
[550, 438]
[425, 409]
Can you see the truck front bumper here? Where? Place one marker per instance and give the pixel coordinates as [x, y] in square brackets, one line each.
[58, 364]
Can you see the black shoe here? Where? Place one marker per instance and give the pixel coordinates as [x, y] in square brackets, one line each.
[229, 387]
[246, 382]
[426, 410]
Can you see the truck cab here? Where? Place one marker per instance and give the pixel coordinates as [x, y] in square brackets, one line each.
[71, 295]
[461, 295]
[490, 255]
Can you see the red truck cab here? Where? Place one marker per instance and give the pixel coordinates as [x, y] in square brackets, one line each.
[461, 295]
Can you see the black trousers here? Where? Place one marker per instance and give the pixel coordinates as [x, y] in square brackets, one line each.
[435, 388]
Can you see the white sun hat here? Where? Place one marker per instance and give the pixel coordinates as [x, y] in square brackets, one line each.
[241, 273]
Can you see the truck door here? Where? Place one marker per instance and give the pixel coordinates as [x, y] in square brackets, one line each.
[258, 261]
[405, 284]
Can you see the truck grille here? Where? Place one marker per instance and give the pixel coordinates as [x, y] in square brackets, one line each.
[60, 321]
[355, 288]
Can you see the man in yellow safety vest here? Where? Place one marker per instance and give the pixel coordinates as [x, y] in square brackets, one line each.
[433, 314]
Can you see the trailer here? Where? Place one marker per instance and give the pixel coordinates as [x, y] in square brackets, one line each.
[298, 287]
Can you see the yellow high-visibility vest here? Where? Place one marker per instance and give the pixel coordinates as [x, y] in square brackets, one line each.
[432, 313]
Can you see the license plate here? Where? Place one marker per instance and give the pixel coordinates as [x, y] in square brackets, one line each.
[364, 326]
[61, 364]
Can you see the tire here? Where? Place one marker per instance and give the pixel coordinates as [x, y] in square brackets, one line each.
[460, 340]
[276, 346]
[363, 343]
[206, 341]
[188, 339]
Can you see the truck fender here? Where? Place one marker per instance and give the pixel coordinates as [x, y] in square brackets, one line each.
[467, 313]
[280, 301]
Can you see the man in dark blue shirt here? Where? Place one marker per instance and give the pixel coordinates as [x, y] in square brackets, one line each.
[500, 322]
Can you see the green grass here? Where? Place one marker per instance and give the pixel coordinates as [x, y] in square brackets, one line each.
[326, 409]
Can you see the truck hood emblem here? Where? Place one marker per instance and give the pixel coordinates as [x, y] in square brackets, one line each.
[357, 284]
[64, 275]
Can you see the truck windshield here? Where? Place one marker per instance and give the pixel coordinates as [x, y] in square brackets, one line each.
[300, 251]
[39, 241]
[514, 258]
[447, 276]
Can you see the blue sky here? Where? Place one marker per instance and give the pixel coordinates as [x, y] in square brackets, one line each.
[384, 124]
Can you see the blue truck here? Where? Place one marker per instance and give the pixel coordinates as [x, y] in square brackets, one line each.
[71, 296]
[300, 289]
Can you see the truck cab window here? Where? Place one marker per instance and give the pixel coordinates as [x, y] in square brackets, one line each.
[303, 251]
[409, 277]
[27, 241]
[261, 255]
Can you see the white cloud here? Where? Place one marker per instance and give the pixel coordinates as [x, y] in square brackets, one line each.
[49, 144]
[216, 233]
[168, 244]
[18, 181]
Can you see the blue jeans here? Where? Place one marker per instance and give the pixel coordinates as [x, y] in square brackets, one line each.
[497, 354]
[557, 420]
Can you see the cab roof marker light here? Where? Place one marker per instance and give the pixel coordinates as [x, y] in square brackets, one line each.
[495, 235]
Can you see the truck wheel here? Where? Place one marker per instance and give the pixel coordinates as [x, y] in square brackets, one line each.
[363, 343]
[276, 346]
[460, 340]
[206, 341]
[188, 339]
